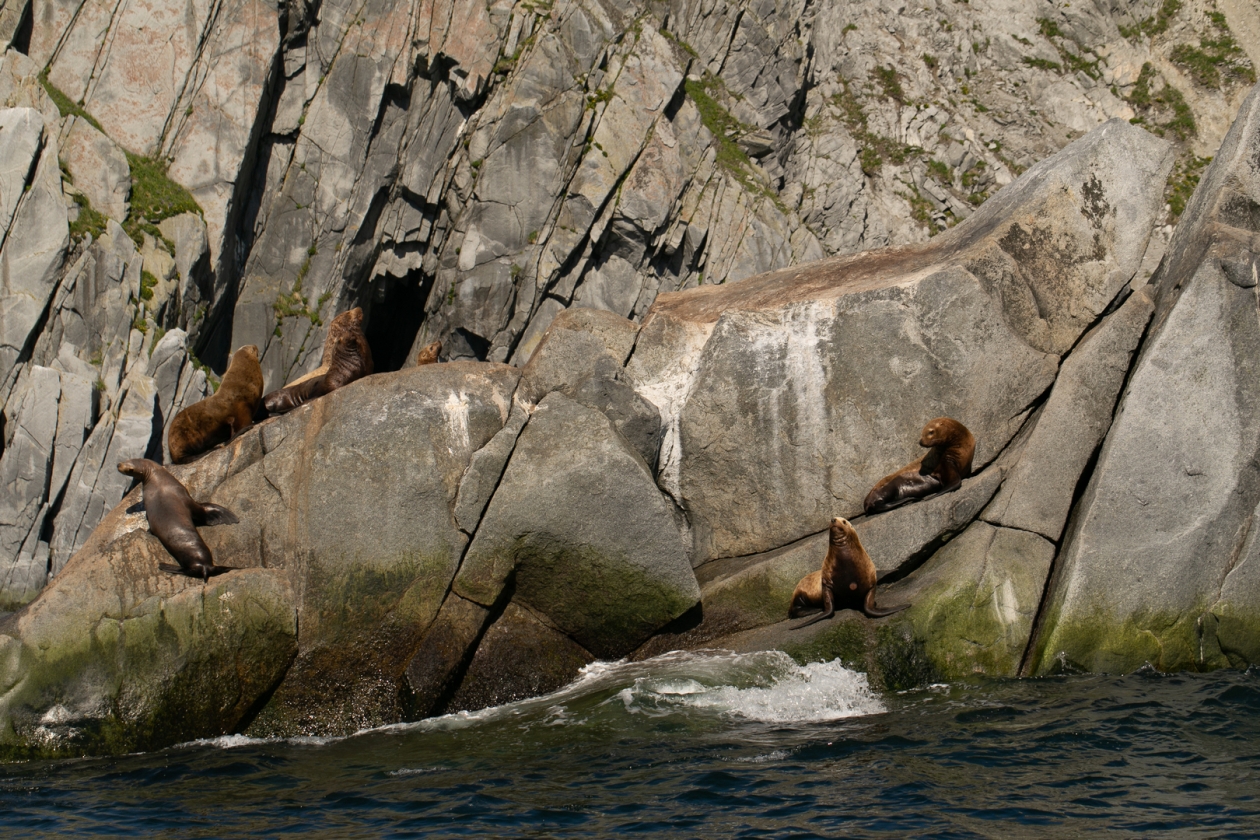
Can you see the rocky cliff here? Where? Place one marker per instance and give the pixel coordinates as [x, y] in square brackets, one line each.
[658, 387]
[240, 173]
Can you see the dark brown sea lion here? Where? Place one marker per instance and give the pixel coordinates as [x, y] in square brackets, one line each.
[173, 517]
[224, 414]
[947, 463]
[846, 581]
[429, 353]
[347, 357]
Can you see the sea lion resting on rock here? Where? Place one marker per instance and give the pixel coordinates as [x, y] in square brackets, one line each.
[224, 414]
[173, 517]
[428, 354]
[846, 580]
[347, 357]
[943, 468]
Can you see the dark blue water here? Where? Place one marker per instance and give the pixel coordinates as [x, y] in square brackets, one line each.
[710, 746]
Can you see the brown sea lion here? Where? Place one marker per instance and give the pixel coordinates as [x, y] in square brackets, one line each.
[947, 463]
[429, 353]
[173, 517]
[224, 414]
[846, 581]
[347, 357]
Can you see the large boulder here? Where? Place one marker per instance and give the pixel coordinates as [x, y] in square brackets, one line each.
[802, 387]
[117, 656]
[1159, 555]
[579, 531]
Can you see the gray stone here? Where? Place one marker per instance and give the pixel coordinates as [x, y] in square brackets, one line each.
[577, 504]
[117, 655]
[1038, 493]
[355, 496]
[1166, 513]
[98, 166]
[32, 255]
[485, 468]
[21, 130]
[570, 350]
[518, 657]
[25, 467]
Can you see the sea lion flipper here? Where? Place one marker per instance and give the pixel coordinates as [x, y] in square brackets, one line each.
[212, 514]
[216, 569]
[871, 611]
[138, 507]
[171, 567]
[812, 619]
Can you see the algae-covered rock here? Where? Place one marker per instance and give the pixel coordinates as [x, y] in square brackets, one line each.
[579, 526]
[519, 656]
[971, 611]
[117, 656]
[366, 528]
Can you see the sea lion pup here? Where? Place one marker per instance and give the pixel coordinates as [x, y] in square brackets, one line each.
[347, 357]
[429, 354]
[224, 414]
[847, 580]
[173, 517]
[943, 468]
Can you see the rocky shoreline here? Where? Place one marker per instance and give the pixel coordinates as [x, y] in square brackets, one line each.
[645, 477]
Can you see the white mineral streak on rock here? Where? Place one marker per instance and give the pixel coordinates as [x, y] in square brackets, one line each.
[667, 388]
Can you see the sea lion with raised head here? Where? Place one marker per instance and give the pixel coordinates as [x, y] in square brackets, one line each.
[221, 416]
[948, 461]
[347, 357]
[428, 354]
[846, 580]
[174, 517]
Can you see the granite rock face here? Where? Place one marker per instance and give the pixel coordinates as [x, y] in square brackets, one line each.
[1158, 556]
[466, 172]
[776, 388]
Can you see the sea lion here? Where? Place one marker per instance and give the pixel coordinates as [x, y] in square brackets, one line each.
[847, 579]
[429, 353]
[224, 414]
[347, 357]
[947, 463]
[173, 517]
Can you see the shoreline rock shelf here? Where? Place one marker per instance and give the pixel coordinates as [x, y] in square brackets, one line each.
[639, 488]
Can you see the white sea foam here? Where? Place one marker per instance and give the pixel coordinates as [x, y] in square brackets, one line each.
[765, 686]
[228, 742]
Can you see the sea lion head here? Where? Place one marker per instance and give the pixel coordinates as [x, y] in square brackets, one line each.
[940, 431]
[841, 531]
[351, 321]
[250, 351]
[136, 467]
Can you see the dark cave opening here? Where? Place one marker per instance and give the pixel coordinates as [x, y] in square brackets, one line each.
[393, 312]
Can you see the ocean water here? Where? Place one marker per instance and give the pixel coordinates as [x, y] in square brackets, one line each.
[709, 744]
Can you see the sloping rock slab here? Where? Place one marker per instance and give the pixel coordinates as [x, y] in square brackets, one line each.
[1165, 519]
